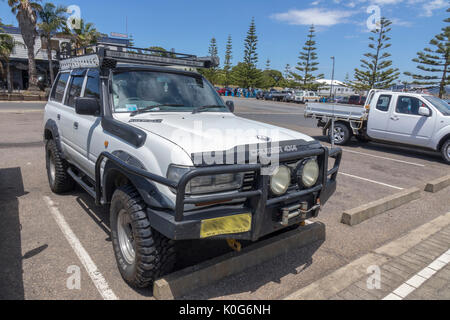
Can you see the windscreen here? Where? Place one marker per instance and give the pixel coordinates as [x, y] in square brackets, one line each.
[441, 105]
[163, 92]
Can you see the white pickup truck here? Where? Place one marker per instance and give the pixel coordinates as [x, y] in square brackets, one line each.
[404, 118]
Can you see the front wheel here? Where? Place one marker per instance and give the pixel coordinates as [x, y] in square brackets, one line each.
[142, 253]
[341, 134]
[445, 150]
[58, 178]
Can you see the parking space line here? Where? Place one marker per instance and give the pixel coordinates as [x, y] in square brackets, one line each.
[385, 158]
[372, 181]
[96, 277]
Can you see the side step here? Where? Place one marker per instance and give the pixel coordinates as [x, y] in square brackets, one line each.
[83, 184]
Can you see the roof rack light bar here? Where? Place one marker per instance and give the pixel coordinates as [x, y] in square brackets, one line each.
[95, 56]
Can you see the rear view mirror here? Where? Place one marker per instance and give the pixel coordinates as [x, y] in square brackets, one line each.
[424, 112]
[87, 106]
[230, 105]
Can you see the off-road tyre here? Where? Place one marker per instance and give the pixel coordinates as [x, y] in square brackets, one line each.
[155, 254]
[58, 178]
[445, 151]
[343, 134]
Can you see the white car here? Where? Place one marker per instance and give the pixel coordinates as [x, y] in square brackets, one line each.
[306, 96]
[160, 147]
[412, 119]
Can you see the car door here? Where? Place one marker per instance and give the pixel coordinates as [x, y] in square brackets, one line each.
[55, 108]
[85, 125]
[379, 116]
[407, 126]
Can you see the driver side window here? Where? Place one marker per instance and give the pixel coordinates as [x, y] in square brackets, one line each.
[409, 105]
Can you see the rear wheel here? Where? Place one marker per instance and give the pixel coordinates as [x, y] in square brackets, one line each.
[142, 253]
[445, 150]
[341, 134]
[58, 178]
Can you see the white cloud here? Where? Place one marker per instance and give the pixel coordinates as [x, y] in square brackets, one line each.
[429, 7]
[316, 16]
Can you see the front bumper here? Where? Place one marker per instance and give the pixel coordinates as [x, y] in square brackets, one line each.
[268, 214]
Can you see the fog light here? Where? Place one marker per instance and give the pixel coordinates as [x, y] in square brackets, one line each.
[280, 180]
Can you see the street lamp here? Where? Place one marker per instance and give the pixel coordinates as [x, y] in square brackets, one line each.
[331, 95]
[332, 77]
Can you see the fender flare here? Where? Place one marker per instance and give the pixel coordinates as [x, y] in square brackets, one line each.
[147, 189]
[52, 127]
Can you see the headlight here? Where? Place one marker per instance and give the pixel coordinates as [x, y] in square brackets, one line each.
[310, 172]
[280, 180]
[206, 184]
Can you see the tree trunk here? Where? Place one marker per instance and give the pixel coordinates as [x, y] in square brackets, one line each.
[27, 24]
[50, 62]
[8, 77]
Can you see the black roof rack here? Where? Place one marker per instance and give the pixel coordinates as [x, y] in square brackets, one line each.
[107, 56]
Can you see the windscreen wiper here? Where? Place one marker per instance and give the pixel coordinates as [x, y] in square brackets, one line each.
[150, 108]
[212, 106]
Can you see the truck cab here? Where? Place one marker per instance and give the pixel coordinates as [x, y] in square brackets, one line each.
[408, 118]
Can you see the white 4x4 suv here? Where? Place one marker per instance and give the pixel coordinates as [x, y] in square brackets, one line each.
[158, 145]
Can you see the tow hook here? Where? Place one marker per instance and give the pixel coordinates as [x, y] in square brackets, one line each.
[297, 210]
[234, 244]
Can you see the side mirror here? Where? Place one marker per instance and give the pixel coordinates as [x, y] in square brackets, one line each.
[424, 112]
[230, 105]
[87, 106]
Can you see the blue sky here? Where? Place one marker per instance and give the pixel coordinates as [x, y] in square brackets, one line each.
[188, 26]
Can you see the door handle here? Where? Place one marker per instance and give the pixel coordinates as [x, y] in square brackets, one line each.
[395, 118]
[75, 125]
[58, 117]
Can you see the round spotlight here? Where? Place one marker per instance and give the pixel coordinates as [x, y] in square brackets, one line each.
[280, 180]
[309, 173]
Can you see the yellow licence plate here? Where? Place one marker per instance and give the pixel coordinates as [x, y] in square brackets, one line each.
[226, 225]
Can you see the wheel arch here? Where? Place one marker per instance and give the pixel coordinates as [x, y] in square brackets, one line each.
[51, 132]
[115, 177]
[442, 141]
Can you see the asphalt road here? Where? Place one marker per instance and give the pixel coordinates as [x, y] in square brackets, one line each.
[37, 261]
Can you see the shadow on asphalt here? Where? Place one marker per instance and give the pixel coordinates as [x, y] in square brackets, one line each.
[193, 252]
[11, 280]
[405, 151]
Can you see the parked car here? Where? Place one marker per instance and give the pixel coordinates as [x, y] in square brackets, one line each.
[358, 100]
[123, 133]
[303, 96]
[418, 120]
[221, 91]
[343, 100]
[260, 95]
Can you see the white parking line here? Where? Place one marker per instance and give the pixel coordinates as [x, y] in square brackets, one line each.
[372, 181]
[420, 278]
[384, 158]
[96, 277]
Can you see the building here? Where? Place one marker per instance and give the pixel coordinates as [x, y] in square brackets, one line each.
[339, 88]
[19, 56]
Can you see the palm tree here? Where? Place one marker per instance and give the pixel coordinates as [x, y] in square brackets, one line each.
[52, 19]
[26, 14]
[84, 36]
[7, 44]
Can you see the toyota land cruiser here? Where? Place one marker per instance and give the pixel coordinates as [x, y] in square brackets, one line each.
[157, 144]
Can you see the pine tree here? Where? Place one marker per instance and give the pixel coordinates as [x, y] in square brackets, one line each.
[376, 71]
[211, 73]
[268, 64]
[227, 63]
[308, 64]
[435, 61]
[246, 72]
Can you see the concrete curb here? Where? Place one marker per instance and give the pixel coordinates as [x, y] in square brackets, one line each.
[438, 184]
[184, 281]
[357, 215]
[332, 284]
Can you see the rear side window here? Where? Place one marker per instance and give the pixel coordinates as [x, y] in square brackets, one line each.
[76, 84]
[58, 90]
[384, 101]
[92, 85]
